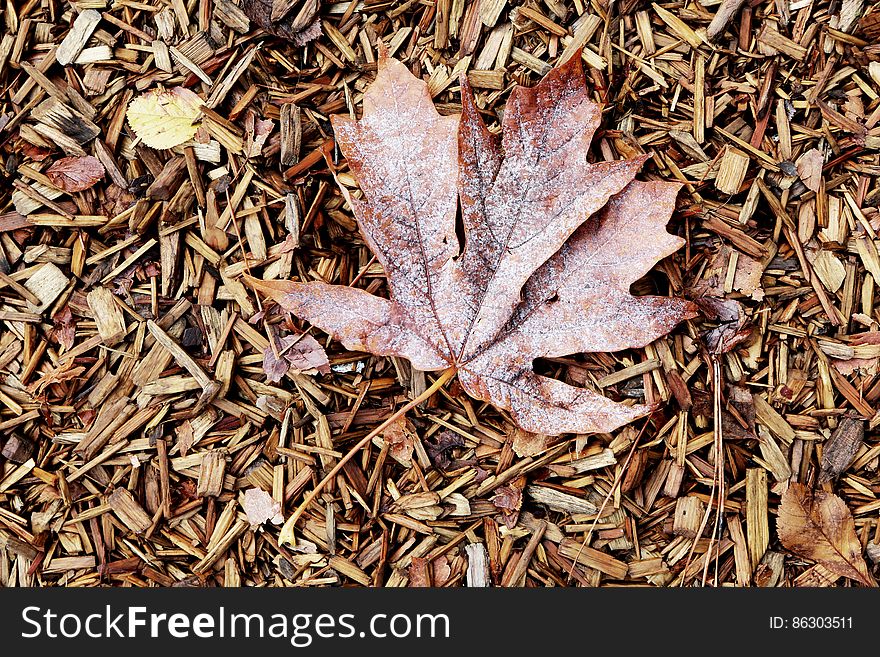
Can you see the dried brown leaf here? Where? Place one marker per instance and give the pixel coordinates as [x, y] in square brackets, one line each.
[732, 328]
[257, 131]
[185, 437]
[439, 449]
[441, 571]
[746, 278]
[305, 354]
[298, 26]
[508, 500]
[65, 327]
[740, 403]
[274, 367]
[553, 243]
[400, 442]
[75, 174]
[36, 153]
[817, 525]
[809, 168]
[526, 443]
[297, 352]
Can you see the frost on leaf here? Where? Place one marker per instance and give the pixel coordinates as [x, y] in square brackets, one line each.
[552, 244]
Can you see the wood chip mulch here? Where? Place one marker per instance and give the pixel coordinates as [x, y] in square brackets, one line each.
[137, 425]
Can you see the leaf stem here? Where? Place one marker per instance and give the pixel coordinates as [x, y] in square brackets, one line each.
[286, 535]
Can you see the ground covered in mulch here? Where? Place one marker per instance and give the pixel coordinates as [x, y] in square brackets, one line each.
[145, 441]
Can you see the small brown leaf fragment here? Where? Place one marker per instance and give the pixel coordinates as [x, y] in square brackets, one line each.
[185, 436]
[298, 352]
[298, 25]
[75, 174]
[526, 443]
[439, 450]
[817, 525]
[400, 442]
[305, 354]
[260, 507]
[508, 499]
[679, 389]
[746, 279]
[809, 168]
[65, 327]
[841, 449]
[274, 367]
[257, 131]
[738, 417]
[117, 199]
[36, 153]
[440, 571]
[732, 326]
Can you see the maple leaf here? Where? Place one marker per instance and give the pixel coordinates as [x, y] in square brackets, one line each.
[818, 526]
[542, 272]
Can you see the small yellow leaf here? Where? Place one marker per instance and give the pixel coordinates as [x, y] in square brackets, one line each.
[165, 118]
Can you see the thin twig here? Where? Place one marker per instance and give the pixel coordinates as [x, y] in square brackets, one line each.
[717, 479]
[286, 535]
